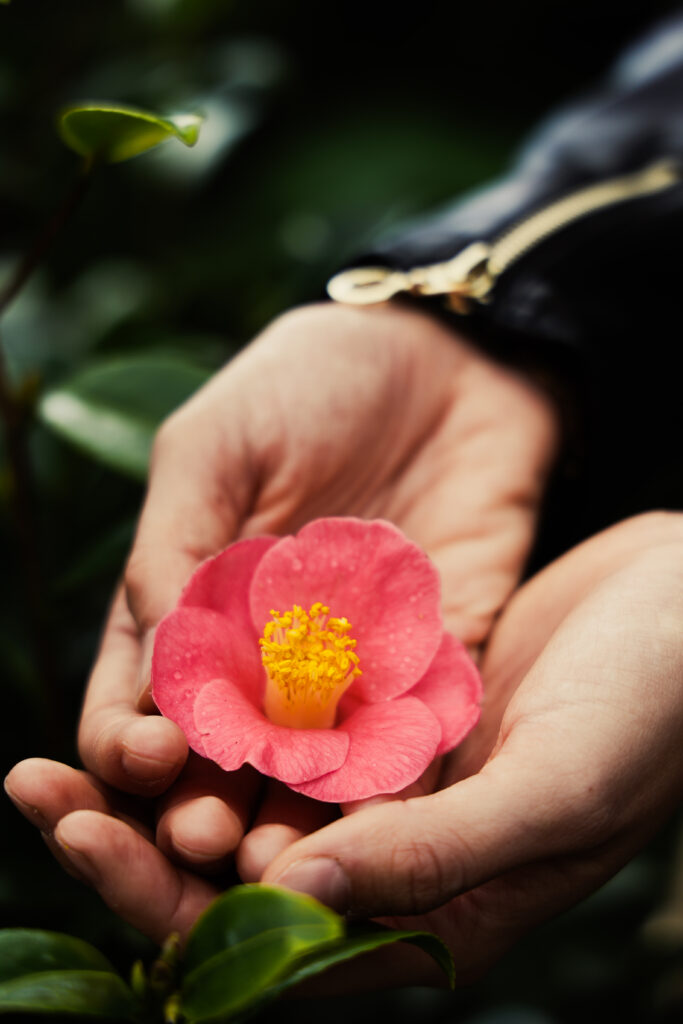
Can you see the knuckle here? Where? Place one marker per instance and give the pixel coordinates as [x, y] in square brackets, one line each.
[418, 860]
[97, 745]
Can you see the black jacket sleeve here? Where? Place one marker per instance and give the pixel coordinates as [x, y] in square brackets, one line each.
[597, 303]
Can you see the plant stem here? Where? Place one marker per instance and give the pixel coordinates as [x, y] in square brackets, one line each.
[34, 256]
[22, 507]
[22, 491]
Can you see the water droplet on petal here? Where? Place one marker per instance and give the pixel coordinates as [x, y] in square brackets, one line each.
[177, 675]
[297, 565]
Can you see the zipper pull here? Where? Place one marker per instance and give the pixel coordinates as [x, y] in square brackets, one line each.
[460, 278]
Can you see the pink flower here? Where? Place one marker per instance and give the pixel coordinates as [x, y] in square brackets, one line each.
[353, 688]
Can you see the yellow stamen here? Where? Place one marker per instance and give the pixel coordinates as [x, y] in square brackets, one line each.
[310, 661]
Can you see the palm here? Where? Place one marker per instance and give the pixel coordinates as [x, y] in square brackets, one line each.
[389, 415]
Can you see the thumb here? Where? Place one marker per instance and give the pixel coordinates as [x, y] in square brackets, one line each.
[412, 856]
[193, 509]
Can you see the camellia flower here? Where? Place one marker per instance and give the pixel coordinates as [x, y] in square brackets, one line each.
[320, 659]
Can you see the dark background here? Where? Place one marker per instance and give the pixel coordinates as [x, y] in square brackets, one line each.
[325, 123]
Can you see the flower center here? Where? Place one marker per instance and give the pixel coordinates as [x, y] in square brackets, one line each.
[310, 661]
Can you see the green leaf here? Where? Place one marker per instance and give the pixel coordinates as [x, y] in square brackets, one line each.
[110, 133]
[111, 410]
[76, 993]
[246, 911]
[364, 940]
[235, 979]
[29, 951]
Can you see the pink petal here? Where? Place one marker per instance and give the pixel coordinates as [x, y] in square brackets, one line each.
[369, 573]
[390, 746]
[451, 688]
[191, 647]
[222, 583]
[234, 730]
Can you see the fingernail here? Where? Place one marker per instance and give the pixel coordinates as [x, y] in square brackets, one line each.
[82, 866]
[32, 813]
[320, 877]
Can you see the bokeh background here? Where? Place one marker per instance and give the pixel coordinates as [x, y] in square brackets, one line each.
[326, 123]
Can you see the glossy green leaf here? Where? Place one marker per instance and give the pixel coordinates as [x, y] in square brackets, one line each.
[29, 951]
[92, 994]
[246, 911]
[365, 940]
[235, 979]
[112, 410]
[111, 133]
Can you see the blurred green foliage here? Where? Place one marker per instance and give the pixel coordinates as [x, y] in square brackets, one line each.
[316, 136]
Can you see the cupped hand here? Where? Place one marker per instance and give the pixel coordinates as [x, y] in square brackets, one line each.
[332, 411]
[576, 764]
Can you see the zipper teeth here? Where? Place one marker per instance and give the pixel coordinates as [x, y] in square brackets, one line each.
[471, 275]
[518, 240]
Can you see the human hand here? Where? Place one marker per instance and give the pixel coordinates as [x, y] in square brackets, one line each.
[577, 763]
[574, 767]
[332, 411]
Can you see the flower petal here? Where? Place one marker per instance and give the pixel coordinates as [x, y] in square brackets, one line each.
[191, 647]
[369, 573]
[222, 583]
[233, 731]
[451, 688]
[390, 746]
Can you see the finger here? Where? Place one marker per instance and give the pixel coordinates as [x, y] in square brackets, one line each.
[286, 816]
[412, 856]
[205, 814]
[131, 751]
[46, 791]
[283, 818]
[538, 609]
[131, 875]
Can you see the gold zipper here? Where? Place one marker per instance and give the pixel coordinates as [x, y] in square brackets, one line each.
[471, 275]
